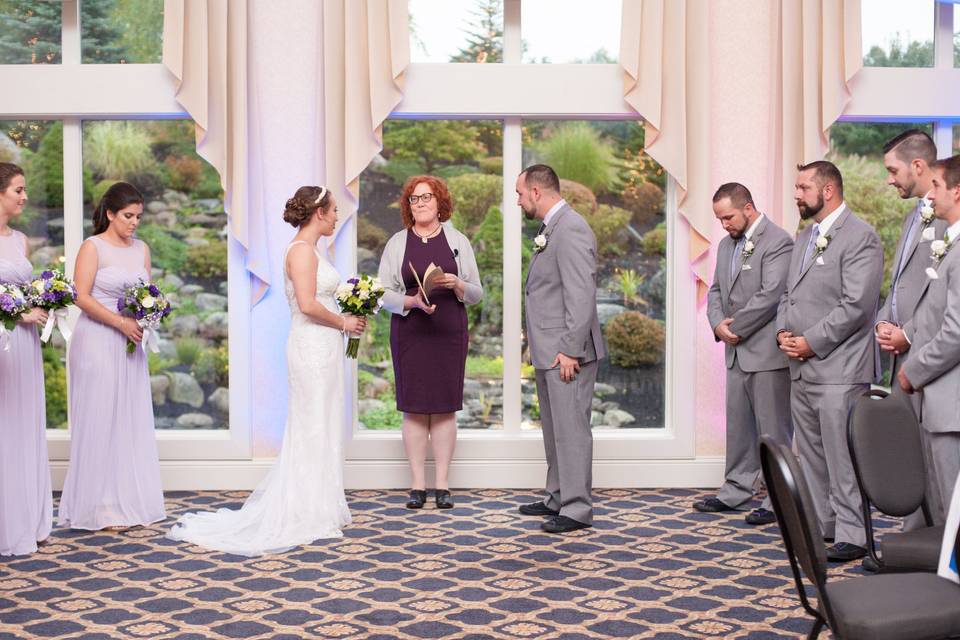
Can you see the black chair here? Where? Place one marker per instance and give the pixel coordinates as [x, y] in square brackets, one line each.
[887, 455]
[892, 606]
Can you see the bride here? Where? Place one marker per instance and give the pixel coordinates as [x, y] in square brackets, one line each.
[301, 499]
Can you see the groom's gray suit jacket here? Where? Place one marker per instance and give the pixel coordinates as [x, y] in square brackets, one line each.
[561, 293]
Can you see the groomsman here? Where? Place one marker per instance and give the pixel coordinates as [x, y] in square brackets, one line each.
[933, 368]
[750, 276]
[825, 326]
[907, 158]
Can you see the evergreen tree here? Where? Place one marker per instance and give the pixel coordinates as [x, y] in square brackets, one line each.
[29, 32]
[98, 35]
[485, 42]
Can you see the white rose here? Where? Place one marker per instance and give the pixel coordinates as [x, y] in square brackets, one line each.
[148, 302]
[38, 286]
[822, 242]
[926, 213]
[938, 247]
[748, 246]
[364, 294]
[540, 241]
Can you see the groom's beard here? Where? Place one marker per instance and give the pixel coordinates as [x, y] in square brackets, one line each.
[807, 211]
[529, 215]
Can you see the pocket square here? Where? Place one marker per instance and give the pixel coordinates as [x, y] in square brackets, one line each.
[746, 267]
[932, 273]
[820, 260]
[929, 234]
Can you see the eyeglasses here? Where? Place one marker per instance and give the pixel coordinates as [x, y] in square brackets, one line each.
[426, 197]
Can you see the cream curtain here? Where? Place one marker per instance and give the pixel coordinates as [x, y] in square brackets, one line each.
[816, 51]
[666, 56]
[366, 48]
[365, 45]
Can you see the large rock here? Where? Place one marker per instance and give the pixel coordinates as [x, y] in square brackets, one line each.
[191, 289]
[204, 220]
[156, 206]
[208, 204]
[224, 287]
[197, 242]
[168, 349]
[164, 422]
[184, 389]
[172, 281]
[375, 387]
[45, 256]
[165, 218]
[215, 326]
[220, 400]
[603, 389]
[210, 302]
[618, 418]
[364, 254]
[596, 418]
[370, 404]
[158, 388]
[184, 325]
[194, 421]
[606, 312]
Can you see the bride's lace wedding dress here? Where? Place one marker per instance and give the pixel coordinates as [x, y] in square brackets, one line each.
[301, 499]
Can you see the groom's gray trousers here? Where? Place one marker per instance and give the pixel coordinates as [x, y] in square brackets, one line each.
[568, 441]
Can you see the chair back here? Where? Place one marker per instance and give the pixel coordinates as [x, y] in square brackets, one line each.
[797, 520]
[887, 453]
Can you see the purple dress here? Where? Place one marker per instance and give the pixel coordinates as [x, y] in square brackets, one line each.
[114, 474]
[429, 351]
[26, 502]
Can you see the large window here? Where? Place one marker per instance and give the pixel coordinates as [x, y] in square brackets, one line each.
[571, 31]
[468, 155]
[121, 31]
[608, 179]
[185, 226]
[456, 31]
[30, 32]
[896, 37]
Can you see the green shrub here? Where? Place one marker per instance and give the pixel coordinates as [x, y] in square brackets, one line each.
[608, 226]
[157, 364]
[183, 172]
[484, 367]
[473, 195]
[375, 341]
[578, 196]
[117, 149]
[44, 170]
[866, 192]
[576, 152]
[654, 242]
[454, 170]
[207, 262]
[645, 201]
[492, 165]
[399, 169]
[370, 235]
[188, 350]
[212, 366]
[655, 288]
[383, 419]
[55, 383]
[167, 252]
[635, 340]
[209, 185]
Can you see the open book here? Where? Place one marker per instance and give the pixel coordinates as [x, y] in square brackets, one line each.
[429, 281]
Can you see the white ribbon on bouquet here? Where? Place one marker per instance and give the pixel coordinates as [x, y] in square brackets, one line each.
[58, 319]
[4, 338]
[151, 339]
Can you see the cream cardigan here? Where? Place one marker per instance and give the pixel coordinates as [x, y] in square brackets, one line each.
[391, 269]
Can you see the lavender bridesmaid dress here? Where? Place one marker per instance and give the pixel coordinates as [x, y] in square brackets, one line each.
[114, 474]
[26, 502]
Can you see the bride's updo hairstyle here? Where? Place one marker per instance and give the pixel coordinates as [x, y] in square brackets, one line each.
[304, 203]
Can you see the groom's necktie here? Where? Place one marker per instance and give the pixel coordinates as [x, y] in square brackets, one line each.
[543, 226]
[737, 250]
[908, 241]
[811, 247]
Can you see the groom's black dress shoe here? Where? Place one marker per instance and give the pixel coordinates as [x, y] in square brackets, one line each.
[537, 509]
[761, 516]
[562, 524]
[417, 499]
[712, 505]
[845, 552]
[442, 496]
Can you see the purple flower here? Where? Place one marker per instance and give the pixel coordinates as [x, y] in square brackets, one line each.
[47, 275]
[154, 291]
[353, 280]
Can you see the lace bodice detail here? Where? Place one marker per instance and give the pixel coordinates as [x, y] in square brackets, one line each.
[327, 280]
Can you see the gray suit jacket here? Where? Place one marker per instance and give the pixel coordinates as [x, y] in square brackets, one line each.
[561, 293]
[934, 333]
[752, 297]
[913, 276]
[834, 305]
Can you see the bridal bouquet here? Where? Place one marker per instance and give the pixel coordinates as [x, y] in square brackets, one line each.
[53, 291]
[147, 304]
[13, 304]
[359, 296]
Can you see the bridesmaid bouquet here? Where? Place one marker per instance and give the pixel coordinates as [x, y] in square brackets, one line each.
[13, 304]
[53, 291]
[147, 304]
[359, 296]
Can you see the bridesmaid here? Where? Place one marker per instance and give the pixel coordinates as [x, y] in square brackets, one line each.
[114, 477]
[26, 502]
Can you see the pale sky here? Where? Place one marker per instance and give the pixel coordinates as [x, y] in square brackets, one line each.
[565, 30]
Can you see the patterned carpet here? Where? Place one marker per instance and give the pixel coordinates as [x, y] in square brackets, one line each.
[650, 568]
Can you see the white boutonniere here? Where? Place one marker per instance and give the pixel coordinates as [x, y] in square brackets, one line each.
[539, 243]
[748, 248]
[820, 246]
[938, 249]
[926, 216]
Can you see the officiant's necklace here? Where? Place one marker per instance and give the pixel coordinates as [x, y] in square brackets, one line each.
[424, 239]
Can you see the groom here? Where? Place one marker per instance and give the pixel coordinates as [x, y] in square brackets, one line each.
[563, 333]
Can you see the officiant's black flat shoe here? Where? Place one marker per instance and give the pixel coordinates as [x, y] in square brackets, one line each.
[443, 499]
[417, 499]
[537, 509]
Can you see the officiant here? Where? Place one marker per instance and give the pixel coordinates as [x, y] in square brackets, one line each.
[428, 330]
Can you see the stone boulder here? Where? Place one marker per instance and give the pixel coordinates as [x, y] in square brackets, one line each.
[184, 389]
[606, 312]
[158, 388]
[210, 302]
[215, 326]
[370, 404]
[603, 389]
[194, 421]
[220, 400]
[618, 418]
[184, 325]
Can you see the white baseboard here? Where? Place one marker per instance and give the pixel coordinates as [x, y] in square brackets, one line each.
[185, 475]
